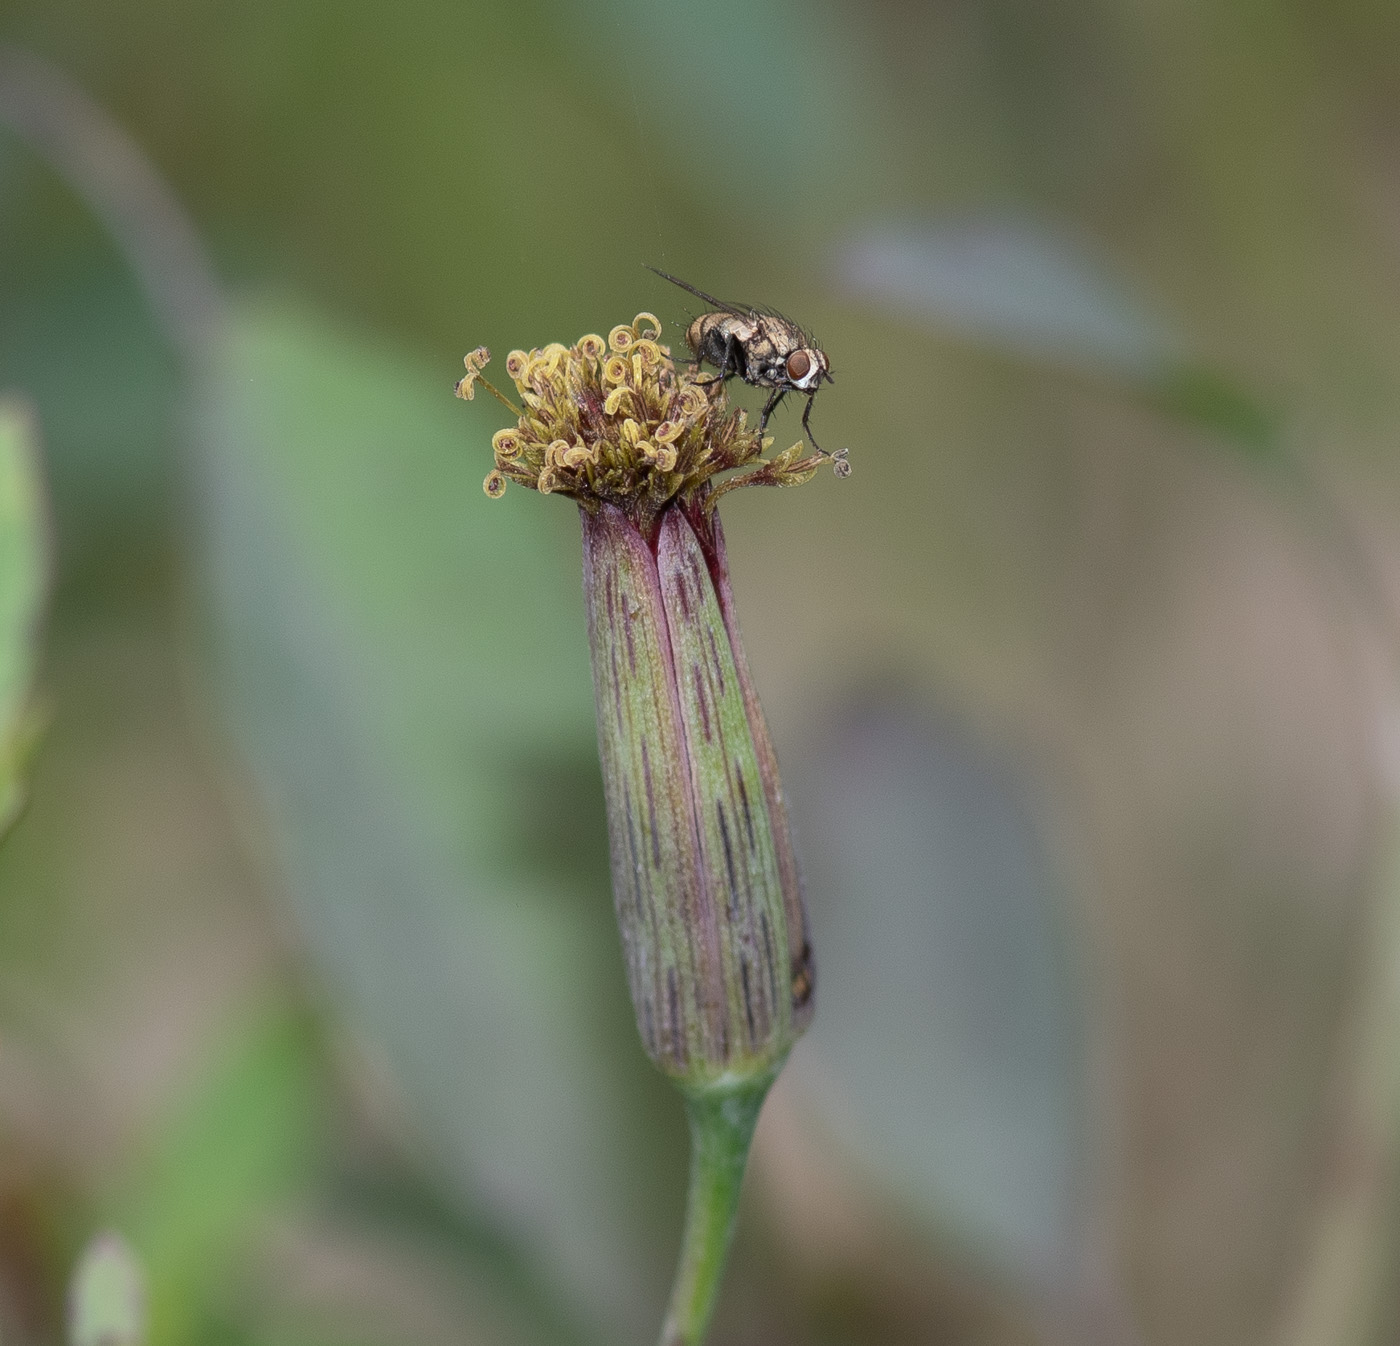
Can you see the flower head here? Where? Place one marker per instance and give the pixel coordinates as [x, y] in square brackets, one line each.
[615, 422]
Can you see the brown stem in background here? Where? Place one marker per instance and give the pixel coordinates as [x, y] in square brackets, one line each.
[1343, 1292]
[113, 177]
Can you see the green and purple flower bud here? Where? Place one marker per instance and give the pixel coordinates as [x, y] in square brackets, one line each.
[707, 891]
[706, 884]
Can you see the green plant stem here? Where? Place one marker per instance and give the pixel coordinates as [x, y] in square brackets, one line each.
[722, 1122]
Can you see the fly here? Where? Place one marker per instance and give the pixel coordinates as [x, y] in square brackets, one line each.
[764, 349]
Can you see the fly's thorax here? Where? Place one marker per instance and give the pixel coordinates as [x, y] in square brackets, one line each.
[764, 358]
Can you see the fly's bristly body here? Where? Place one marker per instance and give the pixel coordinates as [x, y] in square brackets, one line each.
[764, 349]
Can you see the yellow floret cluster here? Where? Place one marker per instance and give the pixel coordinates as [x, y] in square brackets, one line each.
[615, 421]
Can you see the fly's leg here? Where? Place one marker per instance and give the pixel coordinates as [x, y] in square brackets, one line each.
[733, 359]
[839, 463]
[729, 364]
[770, 407]
[811, 438]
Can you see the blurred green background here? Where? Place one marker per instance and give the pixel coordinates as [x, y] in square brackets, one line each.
[1084, 682]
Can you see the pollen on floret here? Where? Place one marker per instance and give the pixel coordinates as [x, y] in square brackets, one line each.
[494, 485]
[622, 338]
[515, 366]
[591, 347]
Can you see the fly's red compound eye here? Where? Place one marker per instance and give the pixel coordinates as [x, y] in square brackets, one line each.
[799, 365]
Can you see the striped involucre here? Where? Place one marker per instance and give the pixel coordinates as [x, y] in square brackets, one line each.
[705, 881]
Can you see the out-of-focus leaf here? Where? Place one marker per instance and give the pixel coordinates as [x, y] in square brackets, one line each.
[948, 1043]
[107, 1296]
[1207, 398]
[407, 1207]
[1342, 1289]
[1014, 284]
[23, 580]
[687, 58]
[81, 345]
[404, 665]
[239, 1142]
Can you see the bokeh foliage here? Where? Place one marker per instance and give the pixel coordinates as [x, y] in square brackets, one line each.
[23, 582]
